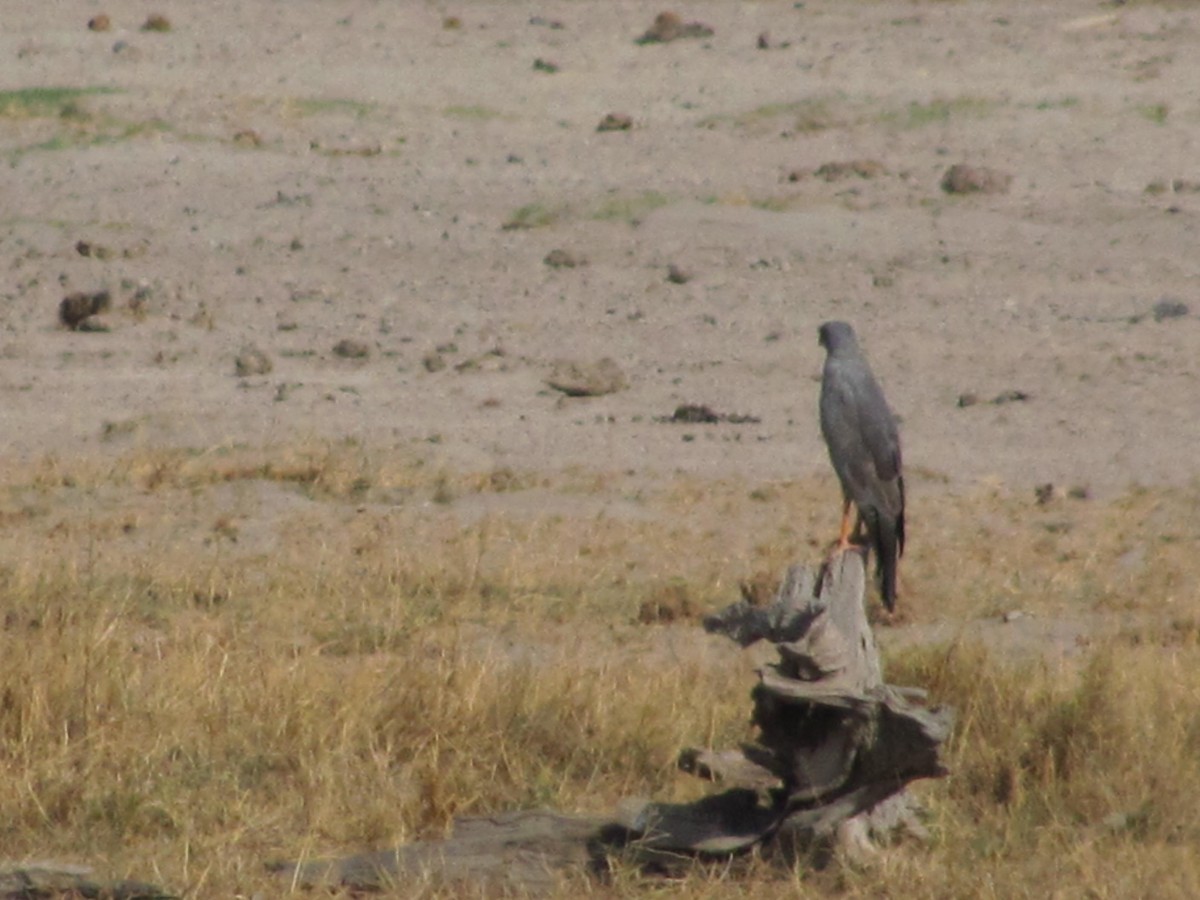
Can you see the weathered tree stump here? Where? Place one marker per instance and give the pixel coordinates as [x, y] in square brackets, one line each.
[836, 748]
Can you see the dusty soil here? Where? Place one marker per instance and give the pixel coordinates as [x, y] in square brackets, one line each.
[289, 175]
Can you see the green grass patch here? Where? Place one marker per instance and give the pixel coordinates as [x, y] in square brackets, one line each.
[1060, 103]
[473, 112]
[630, 208]
[807, 116]
[46, 102]
[319, 106]
[532, 215]
[918, 115]
[1154, 112]
[108, 132]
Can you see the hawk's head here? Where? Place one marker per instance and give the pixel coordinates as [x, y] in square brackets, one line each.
[835, 336]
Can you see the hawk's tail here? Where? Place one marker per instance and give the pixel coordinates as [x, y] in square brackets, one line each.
[888, 536]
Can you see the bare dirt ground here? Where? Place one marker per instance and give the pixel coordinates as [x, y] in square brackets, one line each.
[289, 176]
[388, 151]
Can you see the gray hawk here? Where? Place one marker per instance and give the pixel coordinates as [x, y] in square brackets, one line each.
[864, 447]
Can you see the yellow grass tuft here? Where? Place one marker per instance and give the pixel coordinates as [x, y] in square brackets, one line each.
[210, 660]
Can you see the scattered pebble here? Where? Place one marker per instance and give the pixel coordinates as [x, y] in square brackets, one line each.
[545, 65]
[100, 22]
[676, 275]
[615, 122]
[583, 379]
[93, 324]
[552, 24]
[247, 137]
[964, 179]
[251, 361]
[668, 26]
[433, 362]
[156, 22]
[971, 399]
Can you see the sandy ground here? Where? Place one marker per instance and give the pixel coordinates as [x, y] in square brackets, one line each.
[391, 145]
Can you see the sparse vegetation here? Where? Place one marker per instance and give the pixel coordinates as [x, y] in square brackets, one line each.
[630, 208]
[317, 106]
[46, 102]
[1154, 112]
[532, 215]
[476, 112]
[806, 116]
[918, 115]
[188, 701]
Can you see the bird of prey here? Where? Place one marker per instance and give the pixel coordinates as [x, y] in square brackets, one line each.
[864, 448]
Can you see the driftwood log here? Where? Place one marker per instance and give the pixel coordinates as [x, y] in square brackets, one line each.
[835, 750]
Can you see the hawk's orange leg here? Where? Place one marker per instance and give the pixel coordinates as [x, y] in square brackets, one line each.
[844, 543]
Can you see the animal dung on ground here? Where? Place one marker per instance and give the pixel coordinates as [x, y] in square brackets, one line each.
[702, 414]
[76, 307]
[350, 348]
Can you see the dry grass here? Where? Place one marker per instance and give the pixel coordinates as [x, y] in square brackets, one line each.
[212, 660]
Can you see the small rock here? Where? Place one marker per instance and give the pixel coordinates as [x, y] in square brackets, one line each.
[764, 41]
[615, 122]
[545, 65]
[156, 22]
[252, 361]
[93, 324]
[100, 22]
[1013, 615]
[247, 137]
[552, 24]
[1080, 492]
[563, 259]
[668, 26]
[594, 379]
[964, 179]
[1169, 308]
[350, 348]
[433, 362]
[676, 275]
[451, 23]
[76, 307]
